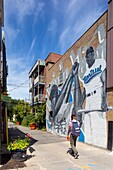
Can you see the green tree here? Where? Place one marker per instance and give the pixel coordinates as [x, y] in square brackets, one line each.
[41, 115]
[20, 108]
[10, 107]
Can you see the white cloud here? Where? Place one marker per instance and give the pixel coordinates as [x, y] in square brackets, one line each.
[11, 33]
[72, 4]
[55, 3]
[64, 38]
[23, 8]
[71, 32]
[17, 75]
[52, 26]
[73, 10]
[84, 22]
[32, 45]
[39, 11]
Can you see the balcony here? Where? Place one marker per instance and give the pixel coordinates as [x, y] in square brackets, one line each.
[39, 98]
[30, 85]
[30, 101]
[39, 79]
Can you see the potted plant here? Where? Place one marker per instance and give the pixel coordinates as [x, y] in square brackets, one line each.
[18, 148]
[18, 120]
[32, 123]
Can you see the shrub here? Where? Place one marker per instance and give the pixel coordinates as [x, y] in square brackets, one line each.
[18, 144]
[24, 122]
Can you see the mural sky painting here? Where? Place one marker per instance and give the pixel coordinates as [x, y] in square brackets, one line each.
[31, 24]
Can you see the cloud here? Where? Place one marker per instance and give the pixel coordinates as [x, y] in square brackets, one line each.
[72, 4]
[23, 8]
[32, 45]
[39, 11]
[17, 74]
[64, 38]
[52, 26]
[55, 3]
[86, 21]
[73, 10]
[11, 33]
[77, 25]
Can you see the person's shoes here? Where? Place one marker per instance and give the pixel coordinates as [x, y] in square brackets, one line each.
[76, 155]
[68, 151]
[72, 152]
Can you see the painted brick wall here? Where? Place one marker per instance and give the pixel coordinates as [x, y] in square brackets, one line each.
[97, 120]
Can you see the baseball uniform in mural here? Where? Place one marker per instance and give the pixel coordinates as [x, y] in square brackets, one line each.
[93, 84]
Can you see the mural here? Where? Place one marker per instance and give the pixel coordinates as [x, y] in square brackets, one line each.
[83, 90]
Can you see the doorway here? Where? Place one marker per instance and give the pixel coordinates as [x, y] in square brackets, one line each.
[110, 136]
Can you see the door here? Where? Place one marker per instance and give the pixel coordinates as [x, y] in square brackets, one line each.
[110, 135]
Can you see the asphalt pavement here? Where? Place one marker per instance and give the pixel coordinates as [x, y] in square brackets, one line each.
[49, 152]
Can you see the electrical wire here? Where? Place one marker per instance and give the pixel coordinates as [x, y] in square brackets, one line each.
[18, 86]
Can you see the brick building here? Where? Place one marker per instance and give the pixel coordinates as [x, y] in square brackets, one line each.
[64, 85]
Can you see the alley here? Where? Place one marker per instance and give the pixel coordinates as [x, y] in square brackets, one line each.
[49, 152]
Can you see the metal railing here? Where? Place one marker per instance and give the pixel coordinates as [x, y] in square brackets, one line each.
[39, 79]
[39, 98]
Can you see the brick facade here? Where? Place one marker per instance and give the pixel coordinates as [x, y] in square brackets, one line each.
[94, 36]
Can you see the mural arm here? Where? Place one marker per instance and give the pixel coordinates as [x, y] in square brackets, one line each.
[82, 99]
[65, 90]
[104, 105]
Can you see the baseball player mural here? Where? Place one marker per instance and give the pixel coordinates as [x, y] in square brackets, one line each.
[83, 91]
[94, 82]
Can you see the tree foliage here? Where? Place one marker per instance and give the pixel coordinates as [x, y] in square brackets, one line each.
[21, 110]
[18, 107]
[41, 114]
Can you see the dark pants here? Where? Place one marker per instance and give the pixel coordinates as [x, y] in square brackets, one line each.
[73, 140]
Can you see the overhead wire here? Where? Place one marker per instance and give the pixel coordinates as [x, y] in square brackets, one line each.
[18, 86]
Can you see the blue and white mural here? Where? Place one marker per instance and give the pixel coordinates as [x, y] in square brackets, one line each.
[82, 90]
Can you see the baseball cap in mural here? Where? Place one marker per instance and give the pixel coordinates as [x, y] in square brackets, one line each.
[89, 50]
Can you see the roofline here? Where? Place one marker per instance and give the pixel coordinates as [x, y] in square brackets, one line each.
[35, 64]
[52, 53]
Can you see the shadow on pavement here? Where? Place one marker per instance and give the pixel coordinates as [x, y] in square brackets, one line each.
[71, 153]
[15, 133]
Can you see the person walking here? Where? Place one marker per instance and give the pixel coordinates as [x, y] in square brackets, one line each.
[73, 133]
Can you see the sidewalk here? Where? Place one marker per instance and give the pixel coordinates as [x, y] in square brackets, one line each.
[49, 152]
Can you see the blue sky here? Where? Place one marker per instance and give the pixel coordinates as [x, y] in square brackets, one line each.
[34, 28]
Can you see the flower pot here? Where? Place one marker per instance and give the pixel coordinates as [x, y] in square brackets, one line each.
[18, 123]
[19, 155]
[32, 126]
